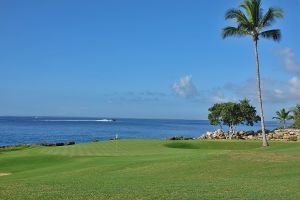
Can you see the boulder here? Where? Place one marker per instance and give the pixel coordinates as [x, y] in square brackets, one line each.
[270, 136]
[247, 133]
[250, 137]
[219, 132]
[293, 138]
[208, 133]
[286, 137]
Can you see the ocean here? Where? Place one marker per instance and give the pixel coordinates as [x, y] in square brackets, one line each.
[34, 130]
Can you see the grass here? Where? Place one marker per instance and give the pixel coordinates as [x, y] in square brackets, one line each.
[153, 169]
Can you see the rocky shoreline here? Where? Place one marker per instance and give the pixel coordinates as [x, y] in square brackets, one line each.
[279, 134]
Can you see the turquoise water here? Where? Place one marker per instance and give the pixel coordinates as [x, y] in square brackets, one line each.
[32, 130]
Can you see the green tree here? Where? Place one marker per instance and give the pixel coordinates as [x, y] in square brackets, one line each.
[251, 21]
[283, 115]
[232, 114]
[296, 116]
[214, 116]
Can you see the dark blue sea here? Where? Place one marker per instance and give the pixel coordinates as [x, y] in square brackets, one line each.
[33, 130]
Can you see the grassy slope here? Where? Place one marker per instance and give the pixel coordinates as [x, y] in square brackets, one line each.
[153, 169]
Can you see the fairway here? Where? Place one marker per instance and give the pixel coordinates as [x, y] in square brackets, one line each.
[153, 169]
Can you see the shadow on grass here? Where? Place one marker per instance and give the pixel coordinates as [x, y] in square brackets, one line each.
[15, 148]
[221, 145]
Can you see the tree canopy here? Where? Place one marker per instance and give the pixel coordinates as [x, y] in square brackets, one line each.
[232, 114]
[252, 21]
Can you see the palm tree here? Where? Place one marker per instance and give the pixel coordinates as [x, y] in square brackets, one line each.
[296, 116]
[283, 116]
[296, 110]
[252, 22]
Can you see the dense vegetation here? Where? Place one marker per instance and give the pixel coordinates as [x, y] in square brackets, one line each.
[153, 169]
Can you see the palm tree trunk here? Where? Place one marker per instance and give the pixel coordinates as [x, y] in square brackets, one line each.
[264, 138]
[230, 132]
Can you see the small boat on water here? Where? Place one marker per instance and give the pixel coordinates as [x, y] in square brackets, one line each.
[105, 120]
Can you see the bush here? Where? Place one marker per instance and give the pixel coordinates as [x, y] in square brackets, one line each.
[48, 144]
[279, 128]
[295, 126]
[53, 144]
[71, 143]
[15, 147]
[247, 133]
[179, 138]
[266, 131]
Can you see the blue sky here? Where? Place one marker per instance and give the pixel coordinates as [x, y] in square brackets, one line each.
[138, 59]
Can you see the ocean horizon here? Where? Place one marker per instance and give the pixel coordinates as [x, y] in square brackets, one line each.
[34, 130]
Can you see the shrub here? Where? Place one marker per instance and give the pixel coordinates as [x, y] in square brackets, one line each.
[266, 131]
[48, 144]
[15, 147]
[60, 144]
[275, 129]
[247, 133]
[179, 138]
[71, 143]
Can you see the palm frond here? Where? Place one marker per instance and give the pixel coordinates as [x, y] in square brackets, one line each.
[253, 10]
[251, 21]
[257, 12]
[290, 117]
[274, 34]
[270, 17]
[234, 31]
[237, 15]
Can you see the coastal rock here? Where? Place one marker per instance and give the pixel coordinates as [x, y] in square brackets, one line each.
[219, 132]
[293, 138]
[247, 133]
[209, 133]
[280, 134]
[250, 137]
[270, 136]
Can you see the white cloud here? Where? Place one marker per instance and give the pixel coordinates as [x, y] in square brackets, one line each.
[294, 86]
[273, 91]
[220, 99]
[289, 60]
[185, 87]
